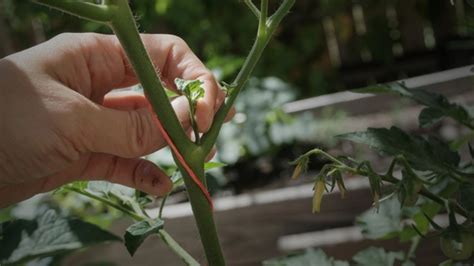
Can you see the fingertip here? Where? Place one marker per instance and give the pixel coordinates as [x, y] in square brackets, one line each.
[152, 180]
[230, 115]
[219, 99]
[211, 154]
[204, 116]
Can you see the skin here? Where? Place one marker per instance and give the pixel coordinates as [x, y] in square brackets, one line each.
[60, 121]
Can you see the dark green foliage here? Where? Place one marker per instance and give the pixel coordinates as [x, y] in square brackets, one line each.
[377, 257]
[430, 178]
[47, 235]
[423, 153]
[369, 257]
[138, 232]
[437, 105]
[310, 257]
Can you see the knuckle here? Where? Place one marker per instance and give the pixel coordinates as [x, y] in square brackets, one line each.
[176, 40]
[139, 131]
[111, 169]
[138, 178]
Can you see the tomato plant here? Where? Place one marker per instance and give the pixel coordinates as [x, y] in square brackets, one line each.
[189, 154]
[426, 177]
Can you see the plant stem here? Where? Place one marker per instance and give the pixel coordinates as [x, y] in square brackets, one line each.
[415, 242]
[266, 29]
[390, 179]
[90, 11]
[252, 8]
[162, 205]
[107, 202]
[173, 245]
[203, 214]
[139, 215]
[124, 26]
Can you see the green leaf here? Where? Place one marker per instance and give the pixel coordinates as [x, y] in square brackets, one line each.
[438, 104]
[192, 89]
[429, 116]
[377, 257]
[171, 94]
[138, 232]
[385, 223]
[177, 179]
[47, 235]
[422, 153]
[310, 257]
[213, 165]
[466, 199]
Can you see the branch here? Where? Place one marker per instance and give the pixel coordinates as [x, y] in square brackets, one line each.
[263, 37]
[252, 8]
[173, 245]
[278, 16]
[98, 13]
[262, 22]
[390, 179]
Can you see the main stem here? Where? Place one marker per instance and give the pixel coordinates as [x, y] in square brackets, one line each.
[123, 24]
[125, 28]
[203, 214]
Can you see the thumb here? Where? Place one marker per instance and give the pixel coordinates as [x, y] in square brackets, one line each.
[127, 133]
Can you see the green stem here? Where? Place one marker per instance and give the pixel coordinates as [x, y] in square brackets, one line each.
[107, 202]
[262, 22]
[173, 245]
[266, 29]
[139, 215]
[203, 214]
[252, 8]
[90, 11]
[162, 205]
[390, 179]
[415, 242]
[123, 24]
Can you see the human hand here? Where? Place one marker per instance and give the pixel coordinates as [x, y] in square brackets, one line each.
[59, 123]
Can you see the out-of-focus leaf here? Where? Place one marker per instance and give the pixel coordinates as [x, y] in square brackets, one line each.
[47, 235]
[213, 165]
[423, 154]
[138, 232]
[177, 179]
[384, 223]
[429, 116]
[466, 199]
[310, 257]
[377, 257]
[438, 104]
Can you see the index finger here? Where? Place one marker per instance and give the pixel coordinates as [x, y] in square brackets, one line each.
[181, 62]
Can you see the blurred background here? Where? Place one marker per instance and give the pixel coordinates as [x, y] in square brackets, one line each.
[322, 47]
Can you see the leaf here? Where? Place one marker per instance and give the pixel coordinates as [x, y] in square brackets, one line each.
[138, 232]
[301, 166]
[213, 165]
[438, 104]
[177, 179]
[422, 153]
[47, 235]
[373, 256]
[192, 89]
[466, 199]
[310, 257]
[319, 189]
[429, 116]
[385, 223]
